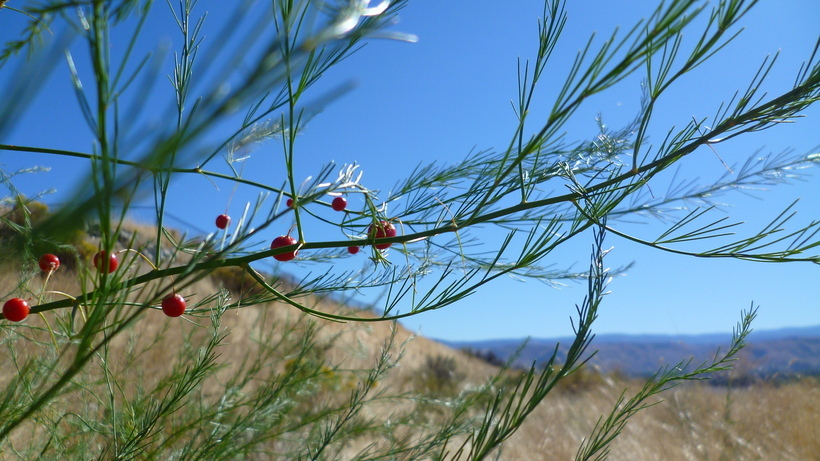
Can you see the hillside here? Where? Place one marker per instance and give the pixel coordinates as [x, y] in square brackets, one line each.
[329, 363]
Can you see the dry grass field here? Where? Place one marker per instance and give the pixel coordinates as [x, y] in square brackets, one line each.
[693, 422]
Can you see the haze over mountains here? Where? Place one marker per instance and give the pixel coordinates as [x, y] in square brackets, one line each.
[777, 353]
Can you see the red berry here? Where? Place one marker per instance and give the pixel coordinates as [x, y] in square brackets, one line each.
[339, 204]
[283, 241]
[16, 309]
[353, 250]
[173, 305]
[49, 263]
[289, 203]
[382, 230]
[222, 221]
[99, 261]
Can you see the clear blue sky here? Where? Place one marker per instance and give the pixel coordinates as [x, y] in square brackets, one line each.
[448, 94]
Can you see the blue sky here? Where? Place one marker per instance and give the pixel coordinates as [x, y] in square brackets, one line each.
[447, 95]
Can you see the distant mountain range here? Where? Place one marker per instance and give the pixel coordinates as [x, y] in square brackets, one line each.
[784, 352]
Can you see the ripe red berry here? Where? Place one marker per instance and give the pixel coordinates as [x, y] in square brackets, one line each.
[339, 204]
[16, 309]
[49, 263]
[222, 221]
[289, 203]
[383, 229]
[283, 241]
[173, 305]
[353, 250]
[100, 261]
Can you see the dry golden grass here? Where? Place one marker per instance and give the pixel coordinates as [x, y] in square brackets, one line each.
[694, 421]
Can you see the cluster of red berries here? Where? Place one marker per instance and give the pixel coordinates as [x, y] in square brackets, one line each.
[338, 203]
[383, 229]
[17, 309]
[173, 305]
